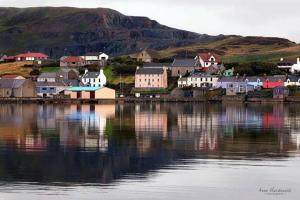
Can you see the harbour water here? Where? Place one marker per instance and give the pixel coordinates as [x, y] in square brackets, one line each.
[149, 151]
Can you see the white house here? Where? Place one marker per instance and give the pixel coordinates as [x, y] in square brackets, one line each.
[95, 56]
[292, 66]
[208, 59]
[199, 80]
[292, 80]
[94, 79]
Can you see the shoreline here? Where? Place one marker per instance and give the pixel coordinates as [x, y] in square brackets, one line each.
[224, 99]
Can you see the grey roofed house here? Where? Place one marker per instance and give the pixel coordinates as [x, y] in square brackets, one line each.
[48, 75]
[184, 63]
[91, 75]
[275, 78]
[231, 79]
[50, 84]
[66, 70]
[11, 83]
[157, 65]
[93, 54]
[293, 78]
[149, 70]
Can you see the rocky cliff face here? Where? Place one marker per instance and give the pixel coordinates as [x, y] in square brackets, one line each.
[65, 31]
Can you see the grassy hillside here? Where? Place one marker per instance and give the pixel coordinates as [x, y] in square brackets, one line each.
[241, 49]
[15, 68]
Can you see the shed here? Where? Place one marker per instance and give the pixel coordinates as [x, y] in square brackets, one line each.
[90, 93]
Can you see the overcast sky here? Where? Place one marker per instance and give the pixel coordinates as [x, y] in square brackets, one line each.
[280, 18]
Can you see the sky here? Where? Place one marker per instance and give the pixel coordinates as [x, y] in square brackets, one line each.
[278, 18]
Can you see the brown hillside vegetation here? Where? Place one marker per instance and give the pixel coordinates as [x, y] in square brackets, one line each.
[241, 49]
[15, 68]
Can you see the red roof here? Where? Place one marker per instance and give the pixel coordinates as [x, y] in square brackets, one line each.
[9, 76]
[206, 56]
[73, 59]
[30, 54]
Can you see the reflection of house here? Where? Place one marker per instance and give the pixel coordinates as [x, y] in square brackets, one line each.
[149, 123]
[17, 88]
[90, 93]
[90, 132]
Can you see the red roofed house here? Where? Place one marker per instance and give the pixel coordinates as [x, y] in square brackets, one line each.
[72, 61]
[9, 76]
[31, 56]
[271, 82]
[209, 59]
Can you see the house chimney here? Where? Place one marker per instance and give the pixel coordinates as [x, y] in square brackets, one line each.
[237, 75]
[86, 71]
[298, 60]
[281, 59]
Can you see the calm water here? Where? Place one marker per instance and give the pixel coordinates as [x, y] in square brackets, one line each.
[149, 151]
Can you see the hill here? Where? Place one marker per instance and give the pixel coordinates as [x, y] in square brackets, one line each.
[240, 49]
[65, 30]
[15, 68]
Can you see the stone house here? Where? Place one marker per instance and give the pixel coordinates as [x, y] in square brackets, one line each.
[72, 61]
[18, 88]
[147, 56]
[181, 67]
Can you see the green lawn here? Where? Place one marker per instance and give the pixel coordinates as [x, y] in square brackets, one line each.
[50, 69]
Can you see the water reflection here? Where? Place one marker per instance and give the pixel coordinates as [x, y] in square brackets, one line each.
[105, 143]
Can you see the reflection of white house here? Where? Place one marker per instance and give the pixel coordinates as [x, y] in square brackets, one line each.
[292, 66]
[90, 133]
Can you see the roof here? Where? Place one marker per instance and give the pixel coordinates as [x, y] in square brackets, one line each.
[149, 70]
[11, 83]
[293, 78]
[231, 79]
[284, 62]
[184, 63]
[254, 78]
[10, 76]
[31, 54]
[50, 84]
[73, 83]
[91, 75]
[276, 78]
[72, 59]
[151, 53]
[94, 54]
[199, 74]
[48, 75]
[158, 65]
[83, 88]
[206, 56]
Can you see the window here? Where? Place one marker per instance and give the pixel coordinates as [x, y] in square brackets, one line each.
[178, 72]
[44, 89]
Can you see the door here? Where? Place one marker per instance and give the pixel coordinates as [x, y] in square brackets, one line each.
[92, 94]
[78, 95]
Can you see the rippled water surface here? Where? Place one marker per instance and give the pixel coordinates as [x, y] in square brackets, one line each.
[150, 151]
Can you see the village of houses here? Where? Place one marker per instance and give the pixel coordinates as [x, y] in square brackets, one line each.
[195, 77]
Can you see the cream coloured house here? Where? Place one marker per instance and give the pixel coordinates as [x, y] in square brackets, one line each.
[151, 78]
[198, 80]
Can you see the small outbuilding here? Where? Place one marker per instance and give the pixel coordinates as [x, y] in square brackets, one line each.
[90, 93]
[280, 92]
